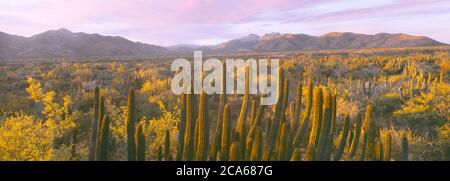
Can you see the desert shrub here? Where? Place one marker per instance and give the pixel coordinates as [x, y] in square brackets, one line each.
[346, 107]
[387, 103]
[24, 137]
[156, 128]
[444, 141]
[426, 111]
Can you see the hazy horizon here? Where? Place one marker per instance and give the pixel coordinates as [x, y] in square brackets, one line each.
[207, 22]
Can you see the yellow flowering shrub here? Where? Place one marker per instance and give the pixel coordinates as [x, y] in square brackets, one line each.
[426, 110]
[34, 89]
[156, 130]
[155, 86]
[24, 137]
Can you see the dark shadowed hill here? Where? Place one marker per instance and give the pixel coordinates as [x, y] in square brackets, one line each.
[64, 43]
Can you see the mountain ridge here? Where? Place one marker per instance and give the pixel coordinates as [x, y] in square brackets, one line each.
[277, 42]
[65, 43]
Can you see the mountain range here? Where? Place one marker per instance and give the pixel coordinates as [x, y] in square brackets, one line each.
[64, 43]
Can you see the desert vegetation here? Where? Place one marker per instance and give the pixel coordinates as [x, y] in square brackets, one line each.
[383, 105]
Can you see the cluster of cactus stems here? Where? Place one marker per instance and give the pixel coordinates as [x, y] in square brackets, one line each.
[290, 134]
[418, 82]
[101, 125]
[100, 129]
[364, 89]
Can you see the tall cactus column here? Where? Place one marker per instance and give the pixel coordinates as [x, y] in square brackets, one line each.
[94, 124]
[188, 153]
[315, 130]
[202, 130]
[343, 140]
[182, 129]
[131, 125]
[304, 125]
[167, 155]
[215, 145]
[225, 139]
[325, 127]
[405, 148]
[387, 147]
[140, 143]
[275, 124]
[371, 130]
[240, 130]
[103, 140]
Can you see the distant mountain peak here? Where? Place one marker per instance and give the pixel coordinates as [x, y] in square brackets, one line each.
[63, 30]
[250, 37]
[59, 31]
[333, 34]
[271, 36]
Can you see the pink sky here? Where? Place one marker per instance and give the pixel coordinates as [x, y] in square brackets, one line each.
[172, 22]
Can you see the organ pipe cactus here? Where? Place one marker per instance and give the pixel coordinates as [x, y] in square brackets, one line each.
[202, 130]
[371, 130]
[215, 145]
[282, 142]
[94, 124]
[256, 151]
[405, 148]
[159, 154]
[131, 125]
[296, 155]
[225, 139]
[305, 123]
[315, 129]
[101, 115]
[254, 128]
[379, 152]
[325, 127]
[140, 143]
[357, 130]
[387, 147]
[234, 152]
[182, 129]
[363, 147]
[279, 112]
[167, 155]
[102, 146]
[188, 153]
[343, 139]
[240, 130]
[295, 120]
